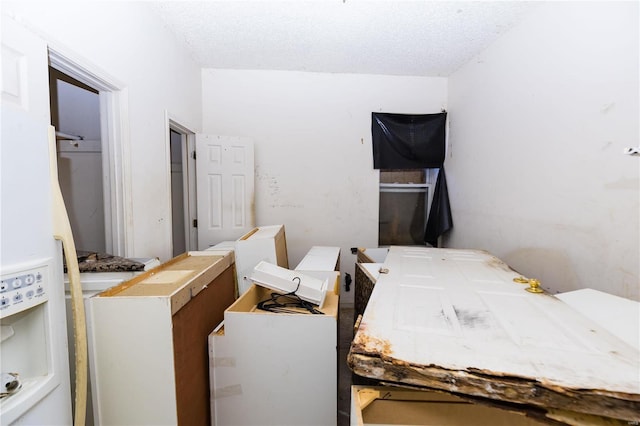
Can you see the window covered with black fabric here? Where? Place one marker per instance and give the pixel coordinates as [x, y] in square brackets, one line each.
[415, 141]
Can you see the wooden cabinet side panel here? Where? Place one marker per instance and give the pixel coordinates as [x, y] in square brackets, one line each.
[191, 327]
[363, 289]
[268, 244]
[281, 249]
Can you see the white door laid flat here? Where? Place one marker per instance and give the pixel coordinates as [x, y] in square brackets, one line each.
[455, 320]
[225, 188]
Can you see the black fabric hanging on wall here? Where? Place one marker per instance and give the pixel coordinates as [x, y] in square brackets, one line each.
[415, 141]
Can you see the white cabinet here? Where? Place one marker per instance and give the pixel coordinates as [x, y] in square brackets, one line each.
[320, 258]
[92, 284]
[274, 368]
[266, 243]
[149, 357]
[598, 306]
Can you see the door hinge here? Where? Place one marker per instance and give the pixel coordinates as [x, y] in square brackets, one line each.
[193, 155]
[195, 223]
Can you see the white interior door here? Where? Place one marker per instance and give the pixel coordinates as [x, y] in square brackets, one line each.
[455, 320]
[225, 188]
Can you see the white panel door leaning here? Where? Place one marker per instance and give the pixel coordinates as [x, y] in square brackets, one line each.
[225, 188]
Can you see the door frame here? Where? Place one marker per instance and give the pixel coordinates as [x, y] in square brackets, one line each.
[188, 138]
[114, 129]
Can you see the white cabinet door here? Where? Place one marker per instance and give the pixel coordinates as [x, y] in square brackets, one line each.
[225, 188]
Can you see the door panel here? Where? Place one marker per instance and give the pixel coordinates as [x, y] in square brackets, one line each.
[225, 188]
[456, 320]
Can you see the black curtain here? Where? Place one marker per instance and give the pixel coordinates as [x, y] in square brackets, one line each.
[415, 141]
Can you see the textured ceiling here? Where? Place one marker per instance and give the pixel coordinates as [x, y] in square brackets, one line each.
[419, 38]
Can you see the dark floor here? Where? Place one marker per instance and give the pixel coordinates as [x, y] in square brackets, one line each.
[345, 335]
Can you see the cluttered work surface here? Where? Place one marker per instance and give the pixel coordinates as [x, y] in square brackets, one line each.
[90, 261]
[459, 321]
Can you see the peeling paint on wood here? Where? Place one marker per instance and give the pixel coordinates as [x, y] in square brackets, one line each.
[524, 392]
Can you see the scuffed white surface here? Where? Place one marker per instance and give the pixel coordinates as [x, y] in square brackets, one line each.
[619, 316]
[535, 168]
[460, 310]
[420, 38]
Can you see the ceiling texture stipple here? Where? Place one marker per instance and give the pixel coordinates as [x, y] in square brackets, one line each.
[414, 38]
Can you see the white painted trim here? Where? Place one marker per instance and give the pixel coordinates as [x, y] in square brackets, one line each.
[114, 125]
[190, 182]
[116, 118]
[79, 69]
[167, 177]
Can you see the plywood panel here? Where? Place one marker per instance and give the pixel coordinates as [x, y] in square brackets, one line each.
[394, 406]
[191, 326]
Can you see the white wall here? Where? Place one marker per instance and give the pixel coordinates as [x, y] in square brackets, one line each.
[127, 42]
[78, 111]
[538, 124]
[312, 133]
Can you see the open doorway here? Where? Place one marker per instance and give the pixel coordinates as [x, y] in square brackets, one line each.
[75, 113]
[101, 226]
[177, 193]
[183, 188]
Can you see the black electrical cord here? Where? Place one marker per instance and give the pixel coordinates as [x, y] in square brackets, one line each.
[289, 303]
